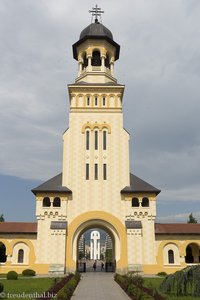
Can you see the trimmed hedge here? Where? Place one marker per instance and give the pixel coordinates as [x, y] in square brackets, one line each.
[67, 291]
[1, 287]
[12, 275]
[133, 286]
[28, 272]
[162, 274]
[185, 282]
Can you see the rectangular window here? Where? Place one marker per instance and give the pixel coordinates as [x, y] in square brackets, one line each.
[96, 140]
[104, 101]
[96, 101]
[96, 171]
[104, 140]
[104, 172]
[87, 140]
[88, 101]
[87, 173]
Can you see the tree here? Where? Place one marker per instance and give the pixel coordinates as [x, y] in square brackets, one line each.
[2, 218]
[81, 255]
[191, 219]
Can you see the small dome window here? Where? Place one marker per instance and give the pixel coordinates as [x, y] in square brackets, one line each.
[171, 257]
[145, 202]
[20, 258]
[46, 202]
[56, 202]
[135, 202]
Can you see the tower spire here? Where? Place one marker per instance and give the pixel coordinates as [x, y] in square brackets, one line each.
[96, 11]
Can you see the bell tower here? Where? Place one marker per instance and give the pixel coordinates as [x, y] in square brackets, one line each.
[95, 188]
[96, 53]
[95, 140]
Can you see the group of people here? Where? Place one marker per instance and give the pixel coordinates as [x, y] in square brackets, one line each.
[95, 266]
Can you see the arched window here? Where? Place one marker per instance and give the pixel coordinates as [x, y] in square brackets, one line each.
[96, 171]
[171, 257]
[2, 253]
[46, 202]
[135, 202]
[104, 171]
[85, 61]
[107, 62]
[104, 140]
[189, 255]
[87, 171]
[96, 140]
[87, 140]
[56, 202]
[20, 256]
[96, 58]
[145, 202]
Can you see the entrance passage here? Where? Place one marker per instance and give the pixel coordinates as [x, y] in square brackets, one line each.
[99, 286]
[95, 251]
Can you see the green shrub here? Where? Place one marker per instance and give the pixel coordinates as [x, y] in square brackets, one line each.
[162, 274]
[183, 283]
[123, 281]
[1, 287]
[133, 290]
[12, 275]
[61, 295]
[67, 291]
[137, 280]
[28, 272]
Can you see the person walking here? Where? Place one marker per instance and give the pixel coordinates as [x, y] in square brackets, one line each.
[95, 265]
[102, 266]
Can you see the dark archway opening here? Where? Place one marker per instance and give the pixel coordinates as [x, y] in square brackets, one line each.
[96, 58]
[2, 253]
[192, 254]
[46, 202]
[85, 61]
[107, 62]
[189, 258]
[95, 251]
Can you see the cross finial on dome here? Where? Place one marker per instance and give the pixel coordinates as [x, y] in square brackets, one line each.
[96, 11]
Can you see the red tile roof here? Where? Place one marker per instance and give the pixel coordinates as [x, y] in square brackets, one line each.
[172, 228]
[177, 228]
[18, 227]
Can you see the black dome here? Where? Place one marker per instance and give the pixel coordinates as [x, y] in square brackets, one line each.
[96, 29]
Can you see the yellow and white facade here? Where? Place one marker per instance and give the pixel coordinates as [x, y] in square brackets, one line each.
[95, 188]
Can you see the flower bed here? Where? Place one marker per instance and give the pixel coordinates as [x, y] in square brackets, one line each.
[132, 284]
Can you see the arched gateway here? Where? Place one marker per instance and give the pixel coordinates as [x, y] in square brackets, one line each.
[102, 220]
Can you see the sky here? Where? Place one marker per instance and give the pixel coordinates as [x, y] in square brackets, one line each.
[160, 66]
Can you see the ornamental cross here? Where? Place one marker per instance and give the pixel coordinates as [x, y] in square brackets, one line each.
[96, 11]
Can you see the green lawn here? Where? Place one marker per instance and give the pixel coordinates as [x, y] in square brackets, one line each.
[27, 285]
[155, 282]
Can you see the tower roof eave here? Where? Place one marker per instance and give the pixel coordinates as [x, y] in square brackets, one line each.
[137, 185]
[53, 185]
[92, 37]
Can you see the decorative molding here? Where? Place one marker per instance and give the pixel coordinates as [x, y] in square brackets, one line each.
[95, 125]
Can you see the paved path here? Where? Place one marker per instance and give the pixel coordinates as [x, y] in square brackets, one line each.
[98, 286]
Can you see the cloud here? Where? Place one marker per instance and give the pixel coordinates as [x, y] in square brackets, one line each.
[178, 218]
[159, 63]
